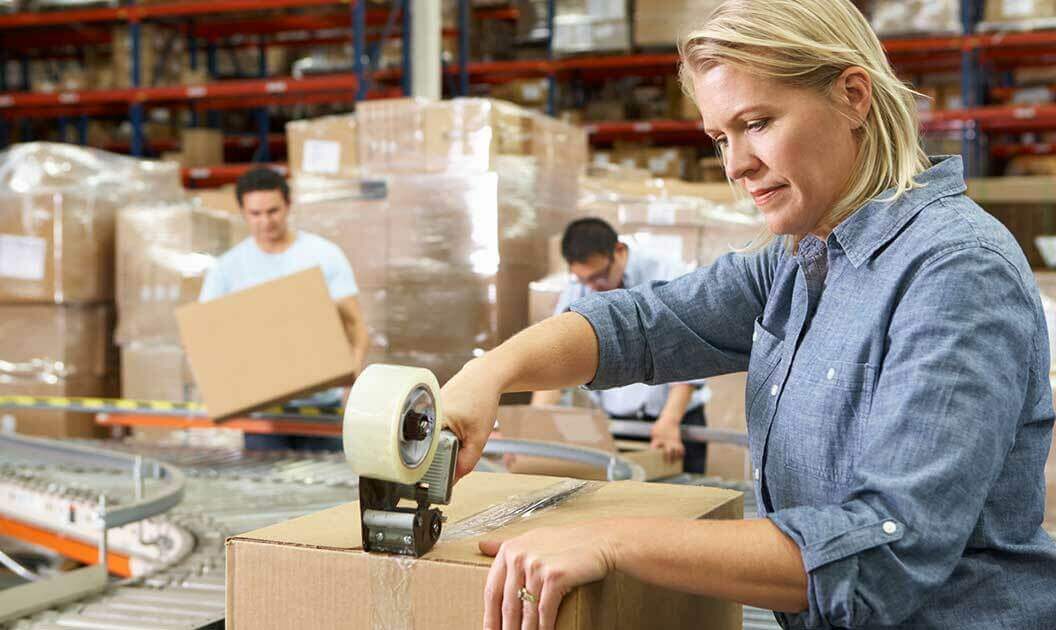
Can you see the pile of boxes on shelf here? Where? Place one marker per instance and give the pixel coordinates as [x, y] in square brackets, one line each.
[58, 208]
[444, 210]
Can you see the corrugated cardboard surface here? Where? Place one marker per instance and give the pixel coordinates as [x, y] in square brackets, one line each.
[311, 572]
[48, 341]
[325, 146]
[266, 344]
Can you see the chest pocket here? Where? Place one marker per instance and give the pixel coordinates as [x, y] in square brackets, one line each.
[767, 350]
[823, 413]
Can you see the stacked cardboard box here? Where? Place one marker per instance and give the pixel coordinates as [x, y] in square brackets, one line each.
[694, 222]
[660, 22]
[163, 253]
[1009, 13]
[57, 211]
[449, 221]
[907, 17]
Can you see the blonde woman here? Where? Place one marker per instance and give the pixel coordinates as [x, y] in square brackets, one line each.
[898, 402]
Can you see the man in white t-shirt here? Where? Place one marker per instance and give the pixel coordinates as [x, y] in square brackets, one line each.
[274, 250]
[599, 261]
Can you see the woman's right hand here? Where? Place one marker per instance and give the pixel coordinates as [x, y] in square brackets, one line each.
[470, 404]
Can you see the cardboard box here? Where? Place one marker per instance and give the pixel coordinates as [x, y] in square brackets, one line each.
[579, 426]
[56, 248]
[908, 17]
[163, 253]
[325, 147]
[47, 342]
[202, 147]
[659, 22]
[544, 295]
[57, 212]
[725, 410]
[266, 344]
[156, 372]
[312, 572]
[1018, 10]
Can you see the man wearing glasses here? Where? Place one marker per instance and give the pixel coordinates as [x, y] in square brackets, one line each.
[599, 261]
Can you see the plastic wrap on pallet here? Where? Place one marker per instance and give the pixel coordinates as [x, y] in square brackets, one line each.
[907, 17]
[163, 252]
[55, 350]
[324, 147]
[462, 135]
[470, 192]
[694, 222]
[660, 22]
[156, 371]
[1018, 15]
[57, 211]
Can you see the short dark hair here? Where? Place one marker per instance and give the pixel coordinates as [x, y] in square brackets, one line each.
[261, 178]
[588, 237]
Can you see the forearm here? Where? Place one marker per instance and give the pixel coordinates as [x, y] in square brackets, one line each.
[361, 342]
[678, 397]
[751, 561]
[558, 352]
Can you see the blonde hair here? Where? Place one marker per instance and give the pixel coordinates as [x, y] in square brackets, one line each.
[809, 44]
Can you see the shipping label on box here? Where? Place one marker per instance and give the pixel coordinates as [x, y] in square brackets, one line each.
[22, 257]
[266, 344]
[312, 571]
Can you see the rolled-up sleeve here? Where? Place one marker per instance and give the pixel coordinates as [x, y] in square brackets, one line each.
[695, 326]
[949, 392]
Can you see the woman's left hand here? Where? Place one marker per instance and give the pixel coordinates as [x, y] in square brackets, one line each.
[546, 563]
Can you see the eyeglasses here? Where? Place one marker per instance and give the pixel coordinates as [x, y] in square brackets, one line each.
[600, 277]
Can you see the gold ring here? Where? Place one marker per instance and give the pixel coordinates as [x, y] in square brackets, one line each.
[525, 596]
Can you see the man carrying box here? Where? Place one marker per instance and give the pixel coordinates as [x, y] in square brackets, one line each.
[272, 251]
[601, 262]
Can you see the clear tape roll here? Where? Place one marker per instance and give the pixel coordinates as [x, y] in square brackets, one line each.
[376, 444]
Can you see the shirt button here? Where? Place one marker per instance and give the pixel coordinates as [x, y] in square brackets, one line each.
[889, 527]
[755, 474]
[774, 390]
[831, 374]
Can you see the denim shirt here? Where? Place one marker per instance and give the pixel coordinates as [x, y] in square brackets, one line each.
[898, 404]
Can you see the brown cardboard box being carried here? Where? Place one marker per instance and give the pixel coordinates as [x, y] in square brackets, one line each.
[266, 344]
[577, 426]
[312, 572]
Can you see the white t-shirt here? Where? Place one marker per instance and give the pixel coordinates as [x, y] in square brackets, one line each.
[245, 266]
[637, 398]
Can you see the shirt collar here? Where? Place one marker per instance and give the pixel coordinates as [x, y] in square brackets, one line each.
[873, 225]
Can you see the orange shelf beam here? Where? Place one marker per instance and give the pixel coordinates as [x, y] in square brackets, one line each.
[248, 425]
[78, 550]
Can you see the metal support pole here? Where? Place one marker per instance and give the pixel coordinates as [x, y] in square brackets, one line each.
[425, 48]
[136, 113]
[263, 152]
[551, 79]
[63, 125]
[972, 94]
[192, 52]
[82, 130]
[463, 47]
[25, 123]
[359, 27]
[102, 532]
[212, 117]
[408, 67]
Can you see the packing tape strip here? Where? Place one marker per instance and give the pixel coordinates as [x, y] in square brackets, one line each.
[373, 422]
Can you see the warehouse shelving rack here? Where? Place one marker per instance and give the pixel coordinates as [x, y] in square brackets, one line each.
[979, 58]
